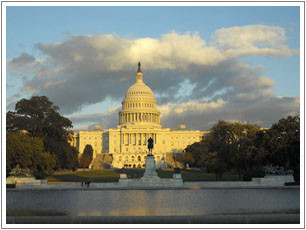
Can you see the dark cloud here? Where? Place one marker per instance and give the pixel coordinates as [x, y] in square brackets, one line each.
[105, 120]
[22, 60]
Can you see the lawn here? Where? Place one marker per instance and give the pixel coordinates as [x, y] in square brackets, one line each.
[112, 175]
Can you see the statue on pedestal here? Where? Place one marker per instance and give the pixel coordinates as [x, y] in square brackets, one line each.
[150, 146]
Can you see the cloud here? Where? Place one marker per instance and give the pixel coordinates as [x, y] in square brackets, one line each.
[189, 107]
[84, 70]
[105, 120]
[22, 60]
[253, 40]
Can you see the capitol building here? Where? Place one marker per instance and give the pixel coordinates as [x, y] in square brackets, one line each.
[139, 119]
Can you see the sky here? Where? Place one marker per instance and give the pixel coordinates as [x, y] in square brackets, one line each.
[203, 63]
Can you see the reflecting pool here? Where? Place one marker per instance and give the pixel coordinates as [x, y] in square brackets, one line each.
[154, 202]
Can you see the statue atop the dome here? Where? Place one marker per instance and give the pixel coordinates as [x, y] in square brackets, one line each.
[139, 70]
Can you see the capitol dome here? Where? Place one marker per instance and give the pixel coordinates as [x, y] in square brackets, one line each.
[139, 106]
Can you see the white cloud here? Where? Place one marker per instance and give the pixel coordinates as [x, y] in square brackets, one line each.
[253, 40]
[189, 107]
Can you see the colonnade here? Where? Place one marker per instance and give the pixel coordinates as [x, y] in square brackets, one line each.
[139, 117]
[137, 138]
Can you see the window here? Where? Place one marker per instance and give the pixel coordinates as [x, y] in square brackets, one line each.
[139, 158]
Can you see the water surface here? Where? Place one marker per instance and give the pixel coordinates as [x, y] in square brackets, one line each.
[154, 202]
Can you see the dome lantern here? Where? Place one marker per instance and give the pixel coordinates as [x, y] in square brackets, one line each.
[139, 74]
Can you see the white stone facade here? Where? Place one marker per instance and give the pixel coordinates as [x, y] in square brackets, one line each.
[139, 119]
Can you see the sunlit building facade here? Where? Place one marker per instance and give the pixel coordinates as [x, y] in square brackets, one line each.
[139, 119]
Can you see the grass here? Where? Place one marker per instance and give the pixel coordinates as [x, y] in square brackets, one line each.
[112, 175]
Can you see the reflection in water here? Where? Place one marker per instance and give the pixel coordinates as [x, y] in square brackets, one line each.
[154, 202]
[90, 213]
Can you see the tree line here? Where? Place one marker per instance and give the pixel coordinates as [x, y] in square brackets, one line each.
[245, 148]
[38, 138]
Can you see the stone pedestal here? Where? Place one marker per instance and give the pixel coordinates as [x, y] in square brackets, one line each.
[177, 179]
[150, 178]
[150, 172]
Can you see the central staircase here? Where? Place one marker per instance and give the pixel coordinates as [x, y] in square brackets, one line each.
[101, 161]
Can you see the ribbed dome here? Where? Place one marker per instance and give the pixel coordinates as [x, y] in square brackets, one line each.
[139, 89]
[139, 106]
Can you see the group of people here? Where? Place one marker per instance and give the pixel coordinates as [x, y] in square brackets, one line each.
[86, 182]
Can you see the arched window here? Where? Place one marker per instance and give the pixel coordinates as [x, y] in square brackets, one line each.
[133, 158]
[139, 158]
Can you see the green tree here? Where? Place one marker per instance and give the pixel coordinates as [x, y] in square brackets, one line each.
[29, 153]
[282, 142]
[231, 146]
[86, 157]
[41, 119]
[215, 164]
[223, 138]
[186, 158]
[193, 153]
[247, 157]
